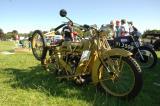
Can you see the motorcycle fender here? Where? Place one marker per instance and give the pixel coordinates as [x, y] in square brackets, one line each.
[97, 62]
[142, 47]
[116, 52]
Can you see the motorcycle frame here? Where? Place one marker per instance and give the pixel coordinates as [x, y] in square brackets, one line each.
[100, 50]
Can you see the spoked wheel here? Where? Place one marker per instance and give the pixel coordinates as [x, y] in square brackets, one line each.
[121, 78]
[148, 57]
[38, 45]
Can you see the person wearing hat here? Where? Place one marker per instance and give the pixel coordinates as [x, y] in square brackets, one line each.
[132, 29]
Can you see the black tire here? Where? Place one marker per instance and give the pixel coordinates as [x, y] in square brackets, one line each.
[150, 57]
[110, 86]
[38, 49]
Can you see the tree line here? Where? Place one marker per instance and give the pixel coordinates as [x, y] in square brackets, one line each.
[152, 33]
[12, 34]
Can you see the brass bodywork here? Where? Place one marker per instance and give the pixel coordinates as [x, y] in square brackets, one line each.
[99, 50]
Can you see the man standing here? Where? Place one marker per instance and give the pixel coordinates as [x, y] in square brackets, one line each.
[67, 31]
[117, 29]
[124, 29]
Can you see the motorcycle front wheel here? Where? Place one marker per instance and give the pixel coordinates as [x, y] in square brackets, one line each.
[121, 78]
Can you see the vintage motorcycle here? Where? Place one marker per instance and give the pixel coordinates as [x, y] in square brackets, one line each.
[144, 55]
[91, 61]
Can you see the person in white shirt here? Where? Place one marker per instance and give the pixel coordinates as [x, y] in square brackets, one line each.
[124, 29]
[131, 27]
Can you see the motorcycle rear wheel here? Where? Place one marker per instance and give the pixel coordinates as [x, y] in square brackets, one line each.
[38, 45]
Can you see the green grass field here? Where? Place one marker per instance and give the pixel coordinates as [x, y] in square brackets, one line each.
[7, 46]
[23, 82]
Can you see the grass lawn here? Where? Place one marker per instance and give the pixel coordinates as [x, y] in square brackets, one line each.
[7, 46]
[23, 82]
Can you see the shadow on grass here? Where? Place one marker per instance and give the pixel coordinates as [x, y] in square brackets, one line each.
[151, 85]
[35, 78]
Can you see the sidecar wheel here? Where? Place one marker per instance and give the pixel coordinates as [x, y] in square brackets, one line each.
[38, 45]
[125, 83]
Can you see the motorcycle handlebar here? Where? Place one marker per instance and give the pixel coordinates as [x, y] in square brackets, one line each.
[60, 26]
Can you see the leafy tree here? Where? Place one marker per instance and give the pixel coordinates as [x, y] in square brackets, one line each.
[9, 35]
[30, 33]
[15, 32]
[1, 34]
[151, 33]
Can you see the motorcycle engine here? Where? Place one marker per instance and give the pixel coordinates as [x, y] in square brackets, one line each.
[73, 60]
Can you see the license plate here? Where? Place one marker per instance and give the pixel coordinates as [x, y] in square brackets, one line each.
[124, 40]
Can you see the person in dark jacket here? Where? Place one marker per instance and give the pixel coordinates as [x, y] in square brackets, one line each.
[67, 31]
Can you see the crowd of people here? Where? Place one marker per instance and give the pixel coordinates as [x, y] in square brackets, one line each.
[114, 29]
[120, 29]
